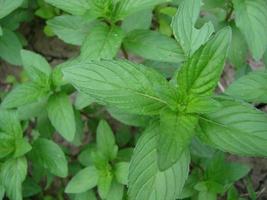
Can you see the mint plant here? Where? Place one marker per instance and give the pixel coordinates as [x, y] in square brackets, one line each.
[138, 113]
[10, 44]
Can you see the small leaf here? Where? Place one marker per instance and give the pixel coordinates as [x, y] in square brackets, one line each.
[10, 124]
[128, 7]
[153, 45]
[146, 181]
[127, 86]
[22, 146]
[70, 29]
[6, 147]
[89, 195]
[183, 25]
[61, 115]
[176, 133]
[34, 63]
[23, 94]
[84, 180]
[116, 191]
[105, 140]
[10, 47]
[104, 182]
[75, 7]
[201, 73]
[239, 49]
[82, 101]
[121, 172]
[48, 155]
[251, 19]
[102, 42]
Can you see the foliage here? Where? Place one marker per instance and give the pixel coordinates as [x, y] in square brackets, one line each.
[137, 114]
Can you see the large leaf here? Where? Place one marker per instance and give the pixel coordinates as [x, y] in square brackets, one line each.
[130, 87]
[146, 181]
[251, 87]
[201, 73]
[48, 155]
[61, 115]
[105, 140]
[83, 181]
[251, 19]
[75, 7]
[153, 45]
[24, 94]
[102, 42]
[13, 172]
[10, 47]
[237, 128]
[183, 25]
[70, 29]
[128, 7]
[7, 6]
[176, 132]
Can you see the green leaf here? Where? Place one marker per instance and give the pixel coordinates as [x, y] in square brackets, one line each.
[183, 25]
[146, 181]
[202, 104]
[153, 45]
[128, 119]
[89, 195]
[84, 180]
[127, 86]
[10, 124]
[70, 29]
[201, 73]
[176, 133]
[22, 147]
[75, 7]
[122, 172]
[223, 172]
[61, 115]
[237, 128]
[116, 191]
[251, 19]
[13, 172]
[135, 22]
[128, 7]
[105, 140]
[35, 65]
[239, 50]
[102, 42]
[251, 87]
[6, 147]
[30, 187]
[82, 101]
[104, 182]
[10, 47]
[2, 192]
[48, 155]
[1, 30]
[7, 6]
[23, 94]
